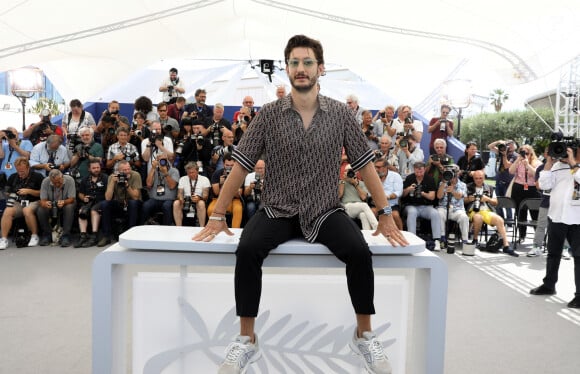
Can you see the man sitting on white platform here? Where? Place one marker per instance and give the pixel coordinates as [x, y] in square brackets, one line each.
[192, 194]
[299, 130]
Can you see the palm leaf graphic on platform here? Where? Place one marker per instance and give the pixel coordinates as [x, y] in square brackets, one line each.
[287, 346]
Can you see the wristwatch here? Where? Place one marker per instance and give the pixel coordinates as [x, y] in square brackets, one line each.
[387, 211]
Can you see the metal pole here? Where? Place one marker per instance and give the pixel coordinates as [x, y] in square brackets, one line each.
[459, 124]
[23, 101]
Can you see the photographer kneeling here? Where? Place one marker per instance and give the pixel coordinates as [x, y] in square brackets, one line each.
[162, 187]
[122, 199]
[91, 194]
[563, 178]
[57, 196]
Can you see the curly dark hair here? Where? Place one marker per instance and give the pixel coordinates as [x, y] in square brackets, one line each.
[298, 41]
[143, 104]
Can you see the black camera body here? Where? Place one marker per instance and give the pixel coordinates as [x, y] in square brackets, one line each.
[558, 148]
[409, 119]
[443, 125]
[199, 139]
[448, 175]
[154, 137]
[85, 211]
[121, 179]
[350, 173]
[523, 153]
[477, 202]
[54, 209]
[416, 192]
[9, 135]
[369, 131]
[501, 147]
[187, 203]
[12, 199]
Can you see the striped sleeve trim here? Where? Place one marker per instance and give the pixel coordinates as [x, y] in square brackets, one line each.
[243, 160]
[318, 223]
[367, 157]
[269, 212]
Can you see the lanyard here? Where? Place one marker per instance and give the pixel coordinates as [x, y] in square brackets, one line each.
[192, 187]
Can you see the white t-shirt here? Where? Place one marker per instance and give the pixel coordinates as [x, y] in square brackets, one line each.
[74, 126]
[202, 183]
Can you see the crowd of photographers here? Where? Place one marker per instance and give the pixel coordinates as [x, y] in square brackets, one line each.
[165, 166]
[168, 163]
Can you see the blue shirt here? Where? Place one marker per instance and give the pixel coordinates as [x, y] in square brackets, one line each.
[11, 156]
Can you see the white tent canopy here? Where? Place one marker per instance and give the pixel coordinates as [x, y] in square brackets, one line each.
[406, 49]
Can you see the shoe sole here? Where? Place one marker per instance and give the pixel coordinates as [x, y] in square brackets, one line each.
[355, 350]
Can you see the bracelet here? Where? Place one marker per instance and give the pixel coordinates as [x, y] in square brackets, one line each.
[212, 218]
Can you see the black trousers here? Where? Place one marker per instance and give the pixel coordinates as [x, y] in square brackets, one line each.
[557, 233]
[339, 233]
[519, 194]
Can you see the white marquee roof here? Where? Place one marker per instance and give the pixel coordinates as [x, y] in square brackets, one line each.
[406, 48]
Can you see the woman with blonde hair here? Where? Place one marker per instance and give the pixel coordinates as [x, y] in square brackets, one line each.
[524, 183]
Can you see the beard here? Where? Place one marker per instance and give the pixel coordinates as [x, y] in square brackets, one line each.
[304, 88]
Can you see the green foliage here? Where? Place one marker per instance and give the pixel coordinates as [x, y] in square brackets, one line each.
[497, 97]
[522, 126]
[44, 102]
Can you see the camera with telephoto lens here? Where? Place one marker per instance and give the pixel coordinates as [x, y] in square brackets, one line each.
[154, 137]
[416, 192]
[199, 139]
[442, 126]
[85, 211]
[350, 173]
[54, 209]
[187, 203]
[378, 154]
[558, 148]
[369, 131]
[121, 179]
[9, 135]
[45, 114]
[225, 150]
[130, 156]
[216, 132]
[258, 188]
[476, 202]
[12, 199]
[73, 141]
[409, 118]
[163, 162]
[448, 174]
[403, 143]
[170, 90]
[501, 147]
[84, 152]
[227, 171]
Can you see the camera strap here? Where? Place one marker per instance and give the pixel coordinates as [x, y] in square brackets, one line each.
[57, 193]
[192, 187]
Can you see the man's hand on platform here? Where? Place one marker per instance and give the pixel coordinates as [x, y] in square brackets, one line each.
[389, 229]
[211, 230]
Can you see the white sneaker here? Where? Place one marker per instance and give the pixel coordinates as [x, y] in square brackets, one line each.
[3, 243]
[565, 254]
[33, 241]
[239, 355]
[372, 353]
[534, 252]
[437, 246]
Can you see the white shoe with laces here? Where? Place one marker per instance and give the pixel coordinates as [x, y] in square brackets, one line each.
[534, 252]
[33, 241]
[370, 349]
[3, 243]
[239, 355]
[437, 247]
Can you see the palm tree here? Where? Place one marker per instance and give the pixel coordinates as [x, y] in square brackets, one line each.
[498, 97]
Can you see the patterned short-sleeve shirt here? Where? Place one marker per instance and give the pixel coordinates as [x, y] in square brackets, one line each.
[303, 164]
